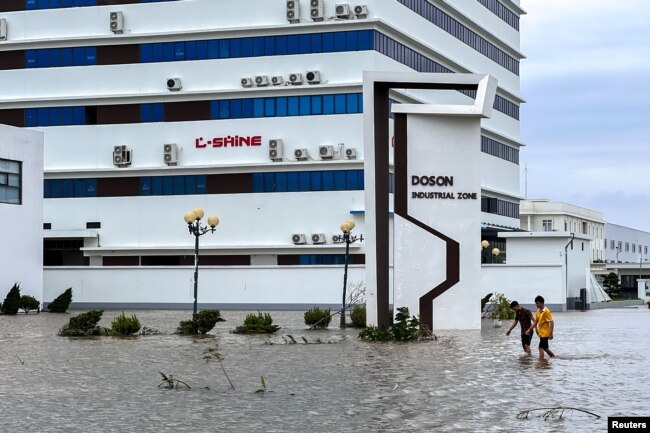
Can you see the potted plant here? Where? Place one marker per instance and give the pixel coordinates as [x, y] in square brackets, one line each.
[500, 309]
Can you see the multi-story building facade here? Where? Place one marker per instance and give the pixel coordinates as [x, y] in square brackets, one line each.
[548, 216]
[626, 253]
[251, 110]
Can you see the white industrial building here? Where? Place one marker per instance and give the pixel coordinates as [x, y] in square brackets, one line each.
[251, 110]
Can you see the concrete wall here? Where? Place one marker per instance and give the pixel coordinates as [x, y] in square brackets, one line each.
[21, 230]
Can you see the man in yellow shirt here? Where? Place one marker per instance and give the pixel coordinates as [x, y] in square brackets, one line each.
[543, 325]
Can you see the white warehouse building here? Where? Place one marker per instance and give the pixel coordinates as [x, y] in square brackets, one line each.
[251, 110]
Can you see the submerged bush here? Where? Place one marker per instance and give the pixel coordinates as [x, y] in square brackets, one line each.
[123, 325]
[11, 304]
[29, 303]
[61, 303]
[201, 323]
[358, 316]
[83, 325]
[318, 318]
[403, 328]
[260, 323]
[500, 308]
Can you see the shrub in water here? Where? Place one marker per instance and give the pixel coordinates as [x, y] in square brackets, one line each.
[28, 303]
[500, 308]
[403, 328]
[61, 303]
[318, 318]
[201, 323]
[358, 316]
[83, 325]
[11, 305]
[123, 325]
[257, 324]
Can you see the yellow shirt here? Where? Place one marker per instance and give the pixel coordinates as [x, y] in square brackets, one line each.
[543, 319]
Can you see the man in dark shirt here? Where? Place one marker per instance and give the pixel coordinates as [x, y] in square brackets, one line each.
[525, 318]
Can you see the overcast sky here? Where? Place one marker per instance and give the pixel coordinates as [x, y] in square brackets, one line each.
[586, 122]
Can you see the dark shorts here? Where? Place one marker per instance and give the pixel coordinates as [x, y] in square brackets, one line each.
[543, 342]
[525, 339]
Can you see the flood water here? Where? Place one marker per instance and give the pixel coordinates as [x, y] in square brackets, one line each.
[466, 381]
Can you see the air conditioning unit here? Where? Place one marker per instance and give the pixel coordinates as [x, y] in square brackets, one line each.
[117, 22]
[174, 84]
[121, 156]
[343, 11]
[316, 10]
[295, 79]
[275, 149]
[170, 153]
[337, 239]
[293, 11]
[298, 239]
[361, 11]
[247, 82]
[313, 77]
[326, 152]
[261, 81]
[351, 153]
[277, 80]
[301, 154]
[3, 29]
[318, 238]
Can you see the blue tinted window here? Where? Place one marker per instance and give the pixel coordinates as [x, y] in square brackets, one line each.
[79, 187]
[305, 105]
[258, 46]
[339, 41]
[79, 115]
[339, 104]
[55, 188]
[316, 180]
[316, 43]
[31, 117]
[352, 103]
[31, 58]
[360, 102]
[146, 53]
[190, 50]
[339, 180]
[159, 112]
[281, 182]
[224, 110]
[67, 188]
[269, 182]
[214, 110]
[235, 109]
[281, 106]
[304, 44]
[351, 180]
[67, 3]
[360, 180]
[328, 42]
[91, 187]
[54, 116]
[224, 49]
[43, 4]
[190, 184]
[280, 45]
[168, 51]
[67, 57]
[201, 50]
[303, 181]
[158, 52]
[179, 184]
[351, 41]
[79, 55]
[145, 185]
[145, 113]
[213, 49]
[328, 104]
[67, 116]
[317, 104]
[91, 55]
[168, 185]
[293, 44]
[43, 59]
[235, 47]
[293, 106]
[31, 4]
[201, 181]
[292, 182]
[269, 46]
[179, 51]
[246, 108]
[269, 107]
[55, 59]
[258, 182]
[328, 180]
[258, 107]
[43, 117]
[156, 185]
[247, 47]
[364, 39]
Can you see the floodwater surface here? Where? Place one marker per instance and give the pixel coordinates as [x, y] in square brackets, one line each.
[466, 381]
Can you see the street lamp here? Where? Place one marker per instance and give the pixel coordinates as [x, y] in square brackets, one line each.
[346, 228]
[495, 254]
[484, 246]
[193, 220]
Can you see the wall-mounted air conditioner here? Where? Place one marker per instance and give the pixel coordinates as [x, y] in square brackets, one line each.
[316, 10]
[337, 239]
[343, 11]
[293, 11]
[298, 239]
[170, 153]
[174, 84]
[361, 11]
[117, 22]
[275, 149]
[261, 80]
[351, 153]
[318, 238]
[247, 82]
[121, 156]
[301, 154]
[3, 29]
[326, 151]
[295, 79]
[278, 80]
[313, 77]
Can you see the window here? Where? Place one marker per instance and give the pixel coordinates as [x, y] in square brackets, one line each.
[619, 246]
[497, 8]
[627, 246]
[10, 181]
[634, 248]
[547, 225]
[611, 244]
